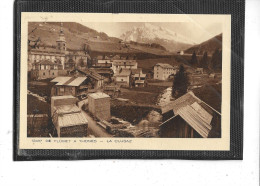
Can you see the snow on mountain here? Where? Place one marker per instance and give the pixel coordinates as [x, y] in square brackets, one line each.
[149, 32]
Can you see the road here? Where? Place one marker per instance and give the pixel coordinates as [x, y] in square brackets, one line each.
[93, 128]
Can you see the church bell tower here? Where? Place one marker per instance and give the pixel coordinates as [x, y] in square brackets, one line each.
[61, 42]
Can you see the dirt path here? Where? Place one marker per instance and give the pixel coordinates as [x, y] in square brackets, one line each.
[93, 128]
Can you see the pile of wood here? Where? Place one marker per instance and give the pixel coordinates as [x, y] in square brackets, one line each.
[113, 128]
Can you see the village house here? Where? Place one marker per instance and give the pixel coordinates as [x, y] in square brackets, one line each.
[103, 60]
[138, 77]
[74, 86]
[78, 83]
[45, 69]
[162, 71]
[190, 117]
[117, 65]
[67, 117]
[58, 52]
[107, 73]
[99, 105]
[95, 80]
[123, 78]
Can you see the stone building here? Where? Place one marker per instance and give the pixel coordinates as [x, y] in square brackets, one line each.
[45, 69]
[120, 64]
[60, 53]
[162, 71]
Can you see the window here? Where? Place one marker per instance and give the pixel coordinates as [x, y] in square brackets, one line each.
[53, 73]
[43, 73]
[61, 89]
[122, 79]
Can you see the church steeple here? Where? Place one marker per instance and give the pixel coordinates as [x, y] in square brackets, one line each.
[61, 42]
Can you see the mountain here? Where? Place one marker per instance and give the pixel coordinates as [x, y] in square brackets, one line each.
[78, 36]
[149, 33]
[208, 46]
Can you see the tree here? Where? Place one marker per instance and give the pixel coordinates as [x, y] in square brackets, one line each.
[193, 60]
[216, 60]
[180, 83]
[204, 61]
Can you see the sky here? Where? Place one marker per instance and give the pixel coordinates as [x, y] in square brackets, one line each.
[197, 32]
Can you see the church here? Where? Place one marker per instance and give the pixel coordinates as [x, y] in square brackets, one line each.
[60, 56]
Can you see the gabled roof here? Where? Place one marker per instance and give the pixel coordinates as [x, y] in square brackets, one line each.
[93, 74]
[187, 99]
[88, 73]
[122, 62]
[69, 81]
[77, 81]
[45, 50]
[124, 72]
[165, 65]
[45, 62]
[194, 111]
[136, 71]
[102, 70]
[60, 79]
[116, 57]
[73, 119]
[98, 95]
[197, 117]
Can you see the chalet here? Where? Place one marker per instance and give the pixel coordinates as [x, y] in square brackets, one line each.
[107, 73]
[74, 86]
[117, 65]
[44, 69]
[162, 71]
[67, 118]
[190, 117]
[95, 80]
[139, 79]
[123, 78]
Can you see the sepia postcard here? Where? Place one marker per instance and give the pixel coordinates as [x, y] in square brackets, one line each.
[125, 81]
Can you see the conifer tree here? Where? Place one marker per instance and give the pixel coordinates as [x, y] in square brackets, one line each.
[194, 60]
[180, 83]
[204, 61]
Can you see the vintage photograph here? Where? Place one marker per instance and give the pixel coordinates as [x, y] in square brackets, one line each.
[124, 79]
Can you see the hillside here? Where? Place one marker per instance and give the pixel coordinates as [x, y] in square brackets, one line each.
[208, 46]
[78, 36]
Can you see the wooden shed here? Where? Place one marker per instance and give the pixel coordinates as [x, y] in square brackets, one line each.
[99, 105]
[67, 117]
[190, 117]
